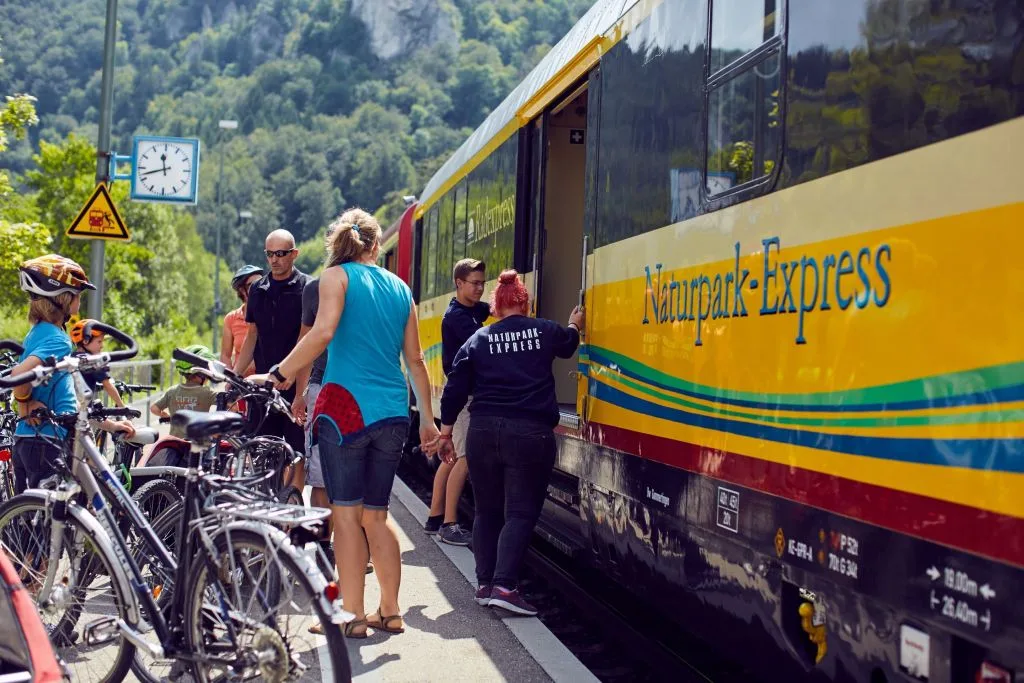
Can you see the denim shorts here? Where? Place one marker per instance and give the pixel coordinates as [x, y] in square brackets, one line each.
[360, 470]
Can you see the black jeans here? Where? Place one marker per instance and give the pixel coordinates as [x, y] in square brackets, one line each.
[34, 461]
[510, 462]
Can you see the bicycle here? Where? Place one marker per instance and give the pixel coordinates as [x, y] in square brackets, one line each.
[10, 353]
[225, 531]
[126, 391]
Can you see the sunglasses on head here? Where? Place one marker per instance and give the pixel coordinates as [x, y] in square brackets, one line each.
[279, 253]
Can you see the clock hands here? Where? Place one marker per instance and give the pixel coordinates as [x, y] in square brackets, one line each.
[163, 162]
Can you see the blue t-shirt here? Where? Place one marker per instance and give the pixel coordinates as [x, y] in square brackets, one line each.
[43, 341]
[363, 383]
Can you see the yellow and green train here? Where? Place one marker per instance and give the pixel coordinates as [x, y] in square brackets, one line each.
[795, 425]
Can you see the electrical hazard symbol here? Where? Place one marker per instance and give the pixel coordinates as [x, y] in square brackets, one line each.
[99, 219]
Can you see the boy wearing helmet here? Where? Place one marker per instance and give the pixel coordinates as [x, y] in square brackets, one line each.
[89, 341]
[235, 327]
[54, 285]
[192, 393]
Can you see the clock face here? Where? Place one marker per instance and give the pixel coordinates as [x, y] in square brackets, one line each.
[164, 169]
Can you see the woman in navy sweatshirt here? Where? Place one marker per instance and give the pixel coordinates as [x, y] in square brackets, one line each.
[510, 446]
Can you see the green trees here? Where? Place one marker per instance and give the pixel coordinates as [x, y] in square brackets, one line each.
[324, 122]
[159, 286]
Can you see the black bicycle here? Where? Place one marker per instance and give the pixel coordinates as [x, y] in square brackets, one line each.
[10, 353]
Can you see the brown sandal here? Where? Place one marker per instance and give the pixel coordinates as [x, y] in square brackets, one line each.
[349, 628]
[381, 624]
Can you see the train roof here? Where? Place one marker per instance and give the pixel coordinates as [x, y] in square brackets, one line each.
[569, 60]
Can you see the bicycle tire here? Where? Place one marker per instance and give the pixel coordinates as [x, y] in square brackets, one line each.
[165, 526]
[196, 618]
[156, 496]
[64, 634]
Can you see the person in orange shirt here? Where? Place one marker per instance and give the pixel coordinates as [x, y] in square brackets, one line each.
[233, 335]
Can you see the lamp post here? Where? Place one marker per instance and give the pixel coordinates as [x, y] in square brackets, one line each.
[225, 124]
[98, 247]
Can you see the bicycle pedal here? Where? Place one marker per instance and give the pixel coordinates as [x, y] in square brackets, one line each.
[100, 631]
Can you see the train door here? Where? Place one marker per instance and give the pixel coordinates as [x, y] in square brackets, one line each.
[560, 245]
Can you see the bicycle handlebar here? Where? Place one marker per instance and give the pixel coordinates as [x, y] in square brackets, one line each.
[12, 346]
[18, 380]
[74, 363]
[102, 413]
[130, 352]
[182, 354]
[219, 372]
[133, 388]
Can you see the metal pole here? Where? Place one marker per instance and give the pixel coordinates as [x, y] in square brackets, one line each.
[216, 263]
[98, 247]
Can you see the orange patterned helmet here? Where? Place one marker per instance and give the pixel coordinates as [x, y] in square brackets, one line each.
[50, 275]
[82, 331]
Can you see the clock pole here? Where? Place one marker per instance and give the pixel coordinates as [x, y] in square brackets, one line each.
[103, 153]
[224, 124]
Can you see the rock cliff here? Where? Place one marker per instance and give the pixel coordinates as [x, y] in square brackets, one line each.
[398, 27]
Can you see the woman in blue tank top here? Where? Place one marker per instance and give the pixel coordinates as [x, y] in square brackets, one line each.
[367, 322]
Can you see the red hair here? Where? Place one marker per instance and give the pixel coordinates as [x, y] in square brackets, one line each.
[510, 293]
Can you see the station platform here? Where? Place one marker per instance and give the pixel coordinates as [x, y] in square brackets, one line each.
[448, 636]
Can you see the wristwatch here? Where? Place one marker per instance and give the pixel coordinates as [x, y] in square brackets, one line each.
[277, 373]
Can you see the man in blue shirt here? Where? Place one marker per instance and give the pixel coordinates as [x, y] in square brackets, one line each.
[465, 315]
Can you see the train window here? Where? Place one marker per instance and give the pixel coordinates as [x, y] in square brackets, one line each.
[743, 93]
[490, 229]
[744, 126]
[445, 235]
[739, 27]
[461, 205]
[428, 256]
[649, 134]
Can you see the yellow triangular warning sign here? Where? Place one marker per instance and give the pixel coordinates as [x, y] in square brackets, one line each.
[99, 219]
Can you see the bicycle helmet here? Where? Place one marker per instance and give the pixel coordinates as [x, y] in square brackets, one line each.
[50, 275]
[243, 273]
[83, 330]
[184, 367]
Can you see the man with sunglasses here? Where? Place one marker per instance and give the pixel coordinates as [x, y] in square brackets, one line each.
[273, 315]
[465, 315]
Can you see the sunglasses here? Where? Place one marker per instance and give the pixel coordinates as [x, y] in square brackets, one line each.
[280, 253]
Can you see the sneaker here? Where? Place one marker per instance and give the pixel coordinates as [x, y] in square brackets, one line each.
[453, 534]
[433, 525]
[511, 601]
[483, 595]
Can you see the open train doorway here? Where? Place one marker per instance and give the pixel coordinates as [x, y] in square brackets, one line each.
[560, 247]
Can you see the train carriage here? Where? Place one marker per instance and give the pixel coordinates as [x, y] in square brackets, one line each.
[795, 422]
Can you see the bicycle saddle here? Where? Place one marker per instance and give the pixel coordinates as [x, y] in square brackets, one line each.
[143, 436]
[200, 427]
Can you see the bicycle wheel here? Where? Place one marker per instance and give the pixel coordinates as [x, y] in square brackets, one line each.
[161, 582]
[155, 496]
[82, 597]
[249, 618]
